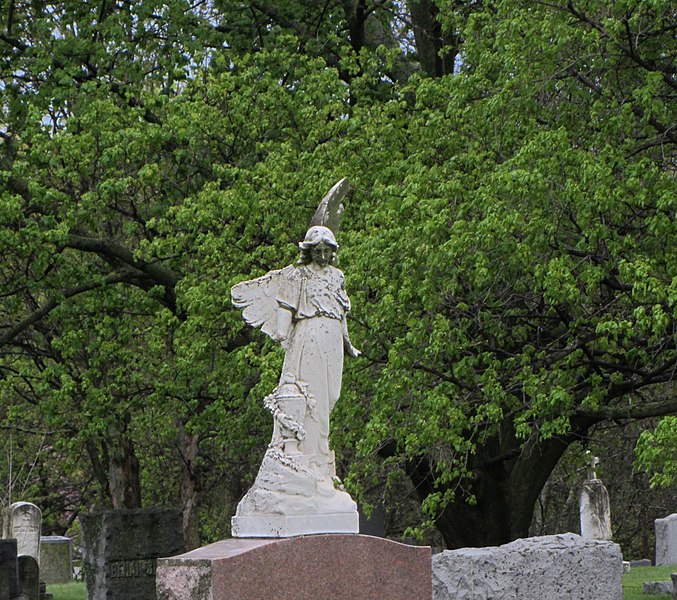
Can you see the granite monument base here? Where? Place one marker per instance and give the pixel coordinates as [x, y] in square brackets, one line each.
[358, 567]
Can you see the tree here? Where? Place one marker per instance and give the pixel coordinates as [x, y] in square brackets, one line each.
[529, 205]
[507, 243]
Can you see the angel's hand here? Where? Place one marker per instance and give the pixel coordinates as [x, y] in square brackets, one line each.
[352, 351]
[279, 336]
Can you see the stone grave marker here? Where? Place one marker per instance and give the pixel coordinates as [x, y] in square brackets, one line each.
[595, 511]
[9, 579]
[653, 588]
[564, 566]
[666, 540]
[23, 522]
[29, 577]
[642, 562]
[56, 559]
[311, 567]
[121, 548]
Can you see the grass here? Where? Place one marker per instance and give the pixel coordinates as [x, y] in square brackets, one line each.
[68, 591]
[633, 585]
[633, 582]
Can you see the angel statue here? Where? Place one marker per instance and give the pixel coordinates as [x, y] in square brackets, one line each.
[304, 307]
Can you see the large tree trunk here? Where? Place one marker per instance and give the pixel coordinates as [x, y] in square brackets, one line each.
[436, 52]
[508, 479]
[190, 487]
[124, 481]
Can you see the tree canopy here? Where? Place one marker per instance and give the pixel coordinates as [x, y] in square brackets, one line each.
[509, 241]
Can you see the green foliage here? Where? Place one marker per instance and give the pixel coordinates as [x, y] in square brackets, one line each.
[509, 243]
[657, 452]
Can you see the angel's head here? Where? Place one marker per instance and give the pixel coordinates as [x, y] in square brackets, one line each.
[319, 246]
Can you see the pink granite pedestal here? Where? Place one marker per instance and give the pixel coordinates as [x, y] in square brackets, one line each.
[317, 567]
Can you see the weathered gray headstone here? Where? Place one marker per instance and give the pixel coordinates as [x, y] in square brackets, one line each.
[29, 577]
[9, 579]
[56, 559]
[566, 567]
[642, 562]
[595, 511]
[657, 587]
[666, 540]
[121, 548]
[23, 522]
[674, 586]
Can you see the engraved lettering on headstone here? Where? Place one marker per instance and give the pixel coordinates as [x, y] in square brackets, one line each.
[131, 568]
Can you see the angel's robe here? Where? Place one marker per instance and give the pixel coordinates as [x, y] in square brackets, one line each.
[318, 302]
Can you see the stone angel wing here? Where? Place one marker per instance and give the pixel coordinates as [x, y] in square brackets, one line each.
[258, 298]
[330, 210]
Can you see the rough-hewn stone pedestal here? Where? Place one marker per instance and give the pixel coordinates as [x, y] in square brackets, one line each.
[357, 567]
[264, 526]
[561, 567]
[121, 549]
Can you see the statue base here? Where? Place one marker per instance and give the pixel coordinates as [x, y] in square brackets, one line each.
[301, 568]
[283, 526]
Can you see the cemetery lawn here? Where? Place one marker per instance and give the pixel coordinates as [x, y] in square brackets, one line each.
[68, 591]
[633, 582]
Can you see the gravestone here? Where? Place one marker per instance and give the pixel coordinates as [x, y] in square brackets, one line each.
[56, 559]
[23, 522]
[566, 567]
[314, 567]
[121, 548]
[642, 562]
[29, 577]
[9, 577]
[595, 511]
[652, 588]
[673, 576]
[666, 540]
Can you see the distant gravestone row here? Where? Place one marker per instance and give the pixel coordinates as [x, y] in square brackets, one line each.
[20, 554]
[122, 548]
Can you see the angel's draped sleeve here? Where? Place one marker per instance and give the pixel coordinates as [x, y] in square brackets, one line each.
[289, 292]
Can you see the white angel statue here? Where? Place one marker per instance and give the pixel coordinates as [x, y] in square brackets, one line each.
[303, 306]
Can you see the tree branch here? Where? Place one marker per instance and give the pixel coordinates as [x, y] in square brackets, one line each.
[50, 305]
[110, 250]
[641, 411]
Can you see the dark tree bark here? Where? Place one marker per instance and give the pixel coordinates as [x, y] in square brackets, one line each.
[436, 51]
[124, 480]
[190, 487]
[506, 484]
